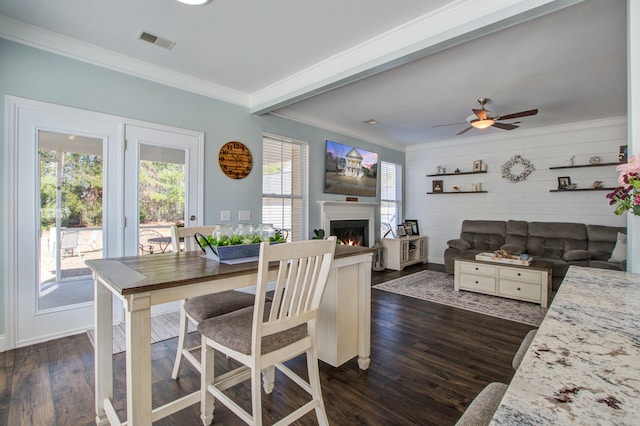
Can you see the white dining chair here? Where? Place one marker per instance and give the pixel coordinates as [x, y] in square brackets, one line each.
[200, 308]
[269, 333]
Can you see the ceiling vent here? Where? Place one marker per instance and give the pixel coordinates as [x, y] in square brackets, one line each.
[154, 39]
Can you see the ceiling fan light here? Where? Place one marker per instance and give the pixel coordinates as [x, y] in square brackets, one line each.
[482, 124]
[194, 2]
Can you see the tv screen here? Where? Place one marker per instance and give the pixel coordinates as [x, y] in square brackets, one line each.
[350, 170]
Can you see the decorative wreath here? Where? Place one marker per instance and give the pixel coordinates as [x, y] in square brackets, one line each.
[517, 160]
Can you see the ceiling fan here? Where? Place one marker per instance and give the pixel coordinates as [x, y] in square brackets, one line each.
[482, 118]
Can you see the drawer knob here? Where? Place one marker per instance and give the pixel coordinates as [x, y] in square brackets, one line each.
[518, 288]
[519, 274]
[478, 283]
[476, 268]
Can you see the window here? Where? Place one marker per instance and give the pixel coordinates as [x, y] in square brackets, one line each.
[390, 198]
[285, 185]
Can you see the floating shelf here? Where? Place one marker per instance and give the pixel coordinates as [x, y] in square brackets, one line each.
[581, 189]
[584, 165]
[459, 173]
[459, 192]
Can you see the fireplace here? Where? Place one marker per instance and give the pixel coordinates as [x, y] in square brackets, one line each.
[351, 232]
[356, 220]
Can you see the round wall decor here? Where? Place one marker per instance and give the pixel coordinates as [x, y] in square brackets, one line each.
[235, 160]
[517, 169]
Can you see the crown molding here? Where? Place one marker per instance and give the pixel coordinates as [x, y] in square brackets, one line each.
[39, 38]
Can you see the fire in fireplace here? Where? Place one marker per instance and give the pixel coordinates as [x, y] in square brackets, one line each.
[350, 232]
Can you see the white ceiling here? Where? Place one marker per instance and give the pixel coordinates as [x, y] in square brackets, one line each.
[410, 64]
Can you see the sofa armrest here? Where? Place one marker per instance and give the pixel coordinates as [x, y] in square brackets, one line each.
[573, 255]
[459, 244]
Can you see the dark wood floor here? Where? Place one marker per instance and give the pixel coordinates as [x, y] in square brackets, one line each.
[428, 361]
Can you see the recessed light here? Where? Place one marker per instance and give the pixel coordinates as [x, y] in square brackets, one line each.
[371, 122]
[194, 2]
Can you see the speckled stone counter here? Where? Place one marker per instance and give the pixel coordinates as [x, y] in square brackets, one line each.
[583, 367]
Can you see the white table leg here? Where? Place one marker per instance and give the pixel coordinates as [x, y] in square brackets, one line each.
[364, 313]
[138, 323]
[103, 318]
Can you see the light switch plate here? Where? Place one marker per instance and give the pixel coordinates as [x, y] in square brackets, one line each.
[244, 215]
[225, 215]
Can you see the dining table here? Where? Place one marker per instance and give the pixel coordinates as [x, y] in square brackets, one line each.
[140, 282]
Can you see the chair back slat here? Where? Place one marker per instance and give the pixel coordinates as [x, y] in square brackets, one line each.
[187, 234]
[303, 270]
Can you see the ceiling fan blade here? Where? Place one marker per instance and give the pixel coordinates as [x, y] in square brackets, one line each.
[450, 124]
[480, 113]
[505, 126]
[518, 114]
[464, 131]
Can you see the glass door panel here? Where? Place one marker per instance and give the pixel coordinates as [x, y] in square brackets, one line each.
[70, 213]
[161, 196]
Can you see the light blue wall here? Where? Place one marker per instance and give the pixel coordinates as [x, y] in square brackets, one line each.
[34, 74]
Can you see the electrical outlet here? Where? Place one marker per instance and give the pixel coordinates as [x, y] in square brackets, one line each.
[225, 215]
[244, 215]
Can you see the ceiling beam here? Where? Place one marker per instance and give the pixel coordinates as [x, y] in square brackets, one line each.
[456, 23]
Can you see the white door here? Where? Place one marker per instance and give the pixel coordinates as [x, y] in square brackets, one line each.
[163, 175]
[61, 212]
[57, 217]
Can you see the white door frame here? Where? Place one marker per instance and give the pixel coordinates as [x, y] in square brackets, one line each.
[191, 143]
[113, 129]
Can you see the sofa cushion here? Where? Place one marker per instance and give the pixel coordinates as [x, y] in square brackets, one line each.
[577, 255]
[517, 232]
[459, 244]
[484, 235]
[619, 252]
[602, 240]
[605, 264]
[553, 239]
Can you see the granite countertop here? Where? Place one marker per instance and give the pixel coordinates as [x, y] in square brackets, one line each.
[583, 367]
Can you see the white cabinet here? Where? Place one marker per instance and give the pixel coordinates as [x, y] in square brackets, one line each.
[528, 283]
[404, 251]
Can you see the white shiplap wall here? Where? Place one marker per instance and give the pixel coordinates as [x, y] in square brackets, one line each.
[440, 216]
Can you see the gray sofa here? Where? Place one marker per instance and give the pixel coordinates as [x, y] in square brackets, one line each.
[563, 244]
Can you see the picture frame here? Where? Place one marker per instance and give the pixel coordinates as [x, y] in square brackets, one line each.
[477, 165]
[413, 224]
[437, 186]
[564, 182]
[622, 154]
[401, 231]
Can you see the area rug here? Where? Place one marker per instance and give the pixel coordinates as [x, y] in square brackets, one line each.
[163, 327]
[437, 287]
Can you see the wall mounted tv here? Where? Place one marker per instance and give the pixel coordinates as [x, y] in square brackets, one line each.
[350, 170]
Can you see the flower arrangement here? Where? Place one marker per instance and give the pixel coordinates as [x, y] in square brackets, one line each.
[626, 197]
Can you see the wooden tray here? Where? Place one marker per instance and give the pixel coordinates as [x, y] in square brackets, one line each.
[511, 260]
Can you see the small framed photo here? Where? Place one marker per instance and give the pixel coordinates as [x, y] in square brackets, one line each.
[622, 154]
[413, 225]
[437, 185]
[477, 166]
[402, 232]
[564, 182]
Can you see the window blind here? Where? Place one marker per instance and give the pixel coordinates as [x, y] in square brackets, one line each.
[390, 196]
[285, 185]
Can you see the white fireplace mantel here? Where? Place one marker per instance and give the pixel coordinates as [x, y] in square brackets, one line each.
[348, 210]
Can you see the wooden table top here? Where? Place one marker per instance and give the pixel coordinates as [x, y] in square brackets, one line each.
[138, 274]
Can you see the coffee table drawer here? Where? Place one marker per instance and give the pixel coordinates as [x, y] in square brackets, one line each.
[519, 274]
[477, 269]
[478, 283]
[520, 290]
